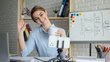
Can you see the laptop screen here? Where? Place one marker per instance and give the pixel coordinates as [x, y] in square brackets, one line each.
[4, 49]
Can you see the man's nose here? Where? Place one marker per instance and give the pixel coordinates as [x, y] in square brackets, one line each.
[40, 18]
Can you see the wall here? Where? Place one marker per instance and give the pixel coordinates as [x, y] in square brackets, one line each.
[8, 21]
[87, 5]
[49, 5]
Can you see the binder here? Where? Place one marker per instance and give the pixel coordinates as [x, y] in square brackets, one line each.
[26, 32]
[62, 7]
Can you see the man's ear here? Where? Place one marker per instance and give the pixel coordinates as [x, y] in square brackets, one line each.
[46, 12]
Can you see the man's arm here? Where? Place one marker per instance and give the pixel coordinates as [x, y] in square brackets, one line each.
[21, 28]
[21, 40]
[27, 47]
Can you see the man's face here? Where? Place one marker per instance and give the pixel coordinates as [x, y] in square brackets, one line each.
[40, 17]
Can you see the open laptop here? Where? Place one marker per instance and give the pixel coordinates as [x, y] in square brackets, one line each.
[4, 49]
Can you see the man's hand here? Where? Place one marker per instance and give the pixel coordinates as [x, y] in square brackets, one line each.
[61, 33]
[21, 25]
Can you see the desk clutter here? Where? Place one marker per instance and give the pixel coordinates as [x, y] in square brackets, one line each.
[102, 51]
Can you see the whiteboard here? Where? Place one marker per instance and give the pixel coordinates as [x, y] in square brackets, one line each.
[89, 26]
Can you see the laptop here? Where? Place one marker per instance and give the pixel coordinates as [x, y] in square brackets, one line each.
[4, 49]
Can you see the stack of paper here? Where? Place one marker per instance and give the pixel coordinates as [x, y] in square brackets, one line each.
[89, 59]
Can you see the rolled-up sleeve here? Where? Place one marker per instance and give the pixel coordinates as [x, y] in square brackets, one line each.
[30, 44]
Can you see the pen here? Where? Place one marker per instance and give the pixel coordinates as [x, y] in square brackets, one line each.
[40, 59]
[99, 51]
[102, 51]
[108, 49]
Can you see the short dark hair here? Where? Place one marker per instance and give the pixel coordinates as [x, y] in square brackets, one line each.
[36, 8]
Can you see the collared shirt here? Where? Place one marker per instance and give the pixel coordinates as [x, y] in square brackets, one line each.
[39, 39]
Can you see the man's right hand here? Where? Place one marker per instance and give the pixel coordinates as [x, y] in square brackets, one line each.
[21, 25]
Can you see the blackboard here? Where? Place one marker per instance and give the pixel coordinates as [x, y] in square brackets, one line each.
[89, 26]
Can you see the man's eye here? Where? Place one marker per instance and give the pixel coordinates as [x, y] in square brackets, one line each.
[36, 18]
[41, 14]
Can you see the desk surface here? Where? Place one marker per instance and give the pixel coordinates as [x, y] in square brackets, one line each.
[28, 59]
[32, 59]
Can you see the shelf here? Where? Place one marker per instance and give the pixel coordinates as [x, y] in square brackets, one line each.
[58, 18]
[51, 18]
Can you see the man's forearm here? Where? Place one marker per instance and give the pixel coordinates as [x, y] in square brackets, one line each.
[21, 40]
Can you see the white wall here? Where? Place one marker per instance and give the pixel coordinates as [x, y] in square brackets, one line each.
[86, 5]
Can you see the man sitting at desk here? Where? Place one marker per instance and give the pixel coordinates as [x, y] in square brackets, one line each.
[39, 37]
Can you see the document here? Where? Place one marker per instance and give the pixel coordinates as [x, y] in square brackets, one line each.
[89, 59]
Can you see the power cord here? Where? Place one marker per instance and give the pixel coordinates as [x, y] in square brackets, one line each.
[40, 59]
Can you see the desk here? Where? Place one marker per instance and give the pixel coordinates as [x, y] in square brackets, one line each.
[28, 59]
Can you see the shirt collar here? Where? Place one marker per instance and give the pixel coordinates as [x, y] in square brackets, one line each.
[44, 30]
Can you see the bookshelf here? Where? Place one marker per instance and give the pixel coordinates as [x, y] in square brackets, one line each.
[51, 18]
[22, 4]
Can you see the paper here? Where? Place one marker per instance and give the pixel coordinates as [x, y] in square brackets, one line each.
[21, 58]
[89, 59]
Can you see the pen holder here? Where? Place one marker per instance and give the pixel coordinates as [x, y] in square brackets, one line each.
[102, 56]
[102, 52]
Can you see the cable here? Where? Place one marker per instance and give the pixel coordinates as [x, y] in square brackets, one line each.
[40, 59]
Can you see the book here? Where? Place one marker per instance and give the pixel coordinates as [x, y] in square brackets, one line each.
[28, 28]
[26, 32]
[62, 7]
[65, 12]
[25, 37]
